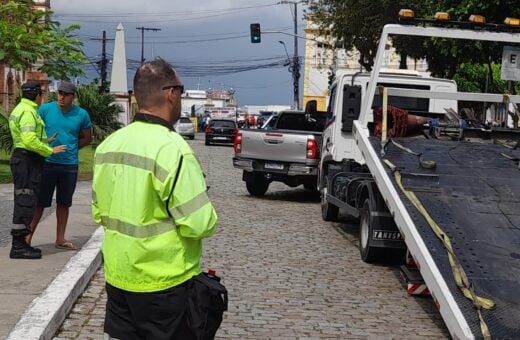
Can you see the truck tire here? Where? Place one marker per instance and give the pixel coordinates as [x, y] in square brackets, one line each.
[368, 253]
[329, 212]
[258, 186]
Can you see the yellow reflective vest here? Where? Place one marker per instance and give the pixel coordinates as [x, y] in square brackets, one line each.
[149, 194]
[28, 129]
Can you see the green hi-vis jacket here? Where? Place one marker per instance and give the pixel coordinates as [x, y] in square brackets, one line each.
[28, 129]
[143, 173]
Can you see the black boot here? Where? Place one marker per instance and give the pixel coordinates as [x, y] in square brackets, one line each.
[20, 249]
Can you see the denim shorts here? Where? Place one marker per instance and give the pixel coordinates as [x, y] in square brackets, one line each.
[61, 177]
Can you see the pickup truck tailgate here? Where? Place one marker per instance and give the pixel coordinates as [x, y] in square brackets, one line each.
[274, 145]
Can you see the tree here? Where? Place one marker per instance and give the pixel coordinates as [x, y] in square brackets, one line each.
[29, 35]
[103, 111]
[358, 24]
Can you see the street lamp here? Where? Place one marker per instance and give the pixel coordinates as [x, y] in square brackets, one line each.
[285, 48]
[295, 70]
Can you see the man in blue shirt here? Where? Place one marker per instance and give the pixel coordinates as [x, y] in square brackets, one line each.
[71, 126]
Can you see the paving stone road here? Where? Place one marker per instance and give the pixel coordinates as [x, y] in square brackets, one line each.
[289, 274]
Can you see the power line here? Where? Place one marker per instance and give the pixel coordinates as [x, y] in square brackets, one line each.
[141, 14]
[142, 28]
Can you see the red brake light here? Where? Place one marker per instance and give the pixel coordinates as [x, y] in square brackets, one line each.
[208, 129]
[237, 143]
[235, 131]
[312, 148]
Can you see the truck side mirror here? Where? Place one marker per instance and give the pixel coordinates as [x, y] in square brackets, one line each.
[351, 106]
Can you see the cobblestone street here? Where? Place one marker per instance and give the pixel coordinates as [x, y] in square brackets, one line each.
[289, 274]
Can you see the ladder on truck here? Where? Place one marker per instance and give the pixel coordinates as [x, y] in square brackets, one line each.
[456, 203]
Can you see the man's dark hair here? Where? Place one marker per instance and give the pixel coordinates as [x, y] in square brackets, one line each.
[149, 80]
[31, 89]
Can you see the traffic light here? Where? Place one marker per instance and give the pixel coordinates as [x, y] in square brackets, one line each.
[255, 34]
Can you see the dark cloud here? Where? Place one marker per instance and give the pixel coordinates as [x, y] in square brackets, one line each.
[198, 36]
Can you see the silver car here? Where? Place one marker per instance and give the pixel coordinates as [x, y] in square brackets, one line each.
[184, 127]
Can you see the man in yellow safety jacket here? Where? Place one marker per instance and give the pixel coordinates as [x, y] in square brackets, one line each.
[149, 194]
[30, 148]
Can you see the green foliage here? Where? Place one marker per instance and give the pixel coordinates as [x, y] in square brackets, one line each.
[472, 78]
[6, 140]
[30, 35]
[102, 109]
[359, 24]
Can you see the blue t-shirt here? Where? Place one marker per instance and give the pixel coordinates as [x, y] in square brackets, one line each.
[68, 125]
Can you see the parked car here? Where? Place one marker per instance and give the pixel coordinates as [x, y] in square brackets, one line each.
[185, 127]
[221, 131]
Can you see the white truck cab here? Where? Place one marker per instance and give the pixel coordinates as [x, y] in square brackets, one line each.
[345, 100]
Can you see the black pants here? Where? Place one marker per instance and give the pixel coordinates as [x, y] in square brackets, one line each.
[26, 167]
[147, 316]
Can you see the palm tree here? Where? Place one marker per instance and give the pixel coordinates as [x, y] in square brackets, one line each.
[6, 141]
[103, 110]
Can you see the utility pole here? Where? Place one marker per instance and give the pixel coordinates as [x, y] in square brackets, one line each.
[296, 60]
[103, 63]
[142, 28]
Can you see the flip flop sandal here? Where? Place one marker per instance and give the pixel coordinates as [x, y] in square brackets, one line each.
[66, 245]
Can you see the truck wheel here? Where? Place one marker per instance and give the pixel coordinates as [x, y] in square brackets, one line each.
[258, 186]
[368, 253]
[329, 212]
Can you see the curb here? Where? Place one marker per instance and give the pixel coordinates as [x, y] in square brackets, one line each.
[44, 316]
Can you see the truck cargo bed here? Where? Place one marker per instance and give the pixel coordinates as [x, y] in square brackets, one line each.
[474, 195]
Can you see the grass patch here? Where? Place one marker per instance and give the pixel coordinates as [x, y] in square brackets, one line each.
[86, 158]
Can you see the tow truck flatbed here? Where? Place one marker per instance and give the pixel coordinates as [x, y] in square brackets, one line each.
[474, 195]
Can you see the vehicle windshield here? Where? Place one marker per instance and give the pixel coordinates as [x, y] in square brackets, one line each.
[405, 103]
[222, 123]
[185, 120]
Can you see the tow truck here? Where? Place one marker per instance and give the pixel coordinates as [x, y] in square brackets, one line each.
[446, 194]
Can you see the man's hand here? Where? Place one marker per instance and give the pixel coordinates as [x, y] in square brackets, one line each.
[59, 149]
[52, 138]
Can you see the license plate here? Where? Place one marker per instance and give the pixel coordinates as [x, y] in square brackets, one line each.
[219, 138]
[275, 166]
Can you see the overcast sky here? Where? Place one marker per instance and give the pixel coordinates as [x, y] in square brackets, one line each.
[197, 36]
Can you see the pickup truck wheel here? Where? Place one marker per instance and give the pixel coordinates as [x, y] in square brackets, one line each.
[368, 253]
[329, 212]
[206, 142]
[258, 186]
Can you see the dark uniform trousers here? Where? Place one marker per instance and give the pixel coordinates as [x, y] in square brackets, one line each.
[26, 167]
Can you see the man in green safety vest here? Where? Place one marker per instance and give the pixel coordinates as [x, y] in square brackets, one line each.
[30, 149]
[149, 194]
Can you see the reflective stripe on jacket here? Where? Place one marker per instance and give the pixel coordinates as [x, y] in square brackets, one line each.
[144, 173]
[28, 129]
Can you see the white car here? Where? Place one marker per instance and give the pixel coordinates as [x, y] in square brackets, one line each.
[184, 127]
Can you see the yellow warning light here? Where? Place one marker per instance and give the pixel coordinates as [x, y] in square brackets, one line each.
[442, 16]
[477, 19]
[512, 22]
[406, 14]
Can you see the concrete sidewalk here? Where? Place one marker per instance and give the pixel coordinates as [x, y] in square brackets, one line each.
[37, 295]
